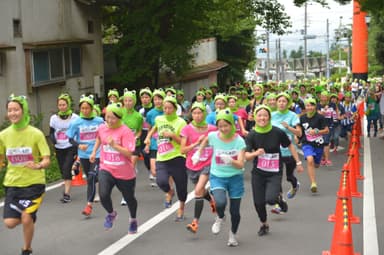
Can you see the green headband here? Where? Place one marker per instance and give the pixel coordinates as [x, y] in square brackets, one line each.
[25, 119]
[159, 93]
[310, 100]
[222, 97]
[146, 91]
[113, 92]
[67, 98]
[89, 99]
[130, 94]
[287, 96]
[225, 114]
[171, 89]
[116, 108]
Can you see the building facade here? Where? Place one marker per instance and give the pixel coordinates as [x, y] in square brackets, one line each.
[48, 47]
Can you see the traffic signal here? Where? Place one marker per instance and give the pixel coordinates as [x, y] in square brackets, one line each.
[263, 50]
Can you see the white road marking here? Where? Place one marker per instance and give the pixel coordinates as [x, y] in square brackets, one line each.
[127, 239]
[371, 245]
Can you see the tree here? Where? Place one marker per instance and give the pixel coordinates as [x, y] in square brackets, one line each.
[297, 54]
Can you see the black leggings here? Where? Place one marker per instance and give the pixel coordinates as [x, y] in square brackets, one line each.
[265, 190]
[65, 158]
[176, 168]
[91, 171]
[290, 166]
[126, 187]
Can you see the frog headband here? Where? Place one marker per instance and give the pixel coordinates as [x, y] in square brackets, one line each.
[130, 94]
[287, 96]
[159, 93]
[172, 100]
[265, 107]
[222, 97]
[171, 89]
[200, 93]
[146, 91]
[225, 114]
[97, 110]
[25, 119]
[88, 99]
[199, 105]
[113, 92]
[67, 98]
[116, 109]
[310, 101]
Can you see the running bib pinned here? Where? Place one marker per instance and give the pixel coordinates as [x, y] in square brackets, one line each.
[164, 147]
[19, 156]
[112, 156]
[268, 162]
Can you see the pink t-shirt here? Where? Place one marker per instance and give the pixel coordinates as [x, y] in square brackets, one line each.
[110, 159]
[192, 135]
[243, 116]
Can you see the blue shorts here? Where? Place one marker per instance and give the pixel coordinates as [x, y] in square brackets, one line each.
[234, 185]
[316, 152]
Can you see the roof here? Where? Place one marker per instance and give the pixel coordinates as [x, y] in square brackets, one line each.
[44, 44]
[203, 70]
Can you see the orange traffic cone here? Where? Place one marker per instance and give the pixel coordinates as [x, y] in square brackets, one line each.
[77, 179]
[344, 192]
[352, 166]
[342, 242]
[355, 161]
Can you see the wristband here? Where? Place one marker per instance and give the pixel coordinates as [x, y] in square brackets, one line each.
[316, 131]
[299, 163]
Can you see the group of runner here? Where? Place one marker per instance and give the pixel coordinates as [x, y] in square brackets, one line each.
[209, 139]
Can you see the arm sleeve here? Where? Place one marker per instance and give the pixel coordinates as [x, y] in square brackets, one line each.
[52, 135]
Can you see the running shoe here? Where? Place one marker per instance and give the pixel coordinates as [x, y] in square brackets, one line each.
[87, 211]
[283, 205]
[216, 227]
[123, 202]
[168, 199]
[328, 163]
[97, 198]
[276, 209]
[323, 162]
[109, 219]
[292, 192]
[232, 242]
[132, 226]
[264, 229]
[26, 252]
[313, 187]
[194, 226]
[180, 216]
[65, 199]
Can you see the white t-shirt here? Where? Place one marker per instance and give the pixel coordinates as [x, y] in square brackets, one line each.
[60, 125]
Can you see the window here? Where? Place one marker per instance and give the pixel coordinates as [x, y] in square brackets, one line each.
[56, 64]
[17, 28]
[90, 27]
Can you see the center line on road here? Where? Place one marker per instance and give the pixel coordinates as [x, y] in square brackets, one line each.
[149, 224]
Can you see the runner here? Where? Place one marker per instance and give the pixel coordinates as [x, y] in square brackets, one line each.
[191, 137]
[289, 122]
[134, 121]
[82, 133]
[170, 162]
[263, 147]
[65, 151]
[314, 127]
[117, 143]
[27, 155]
[227, 172]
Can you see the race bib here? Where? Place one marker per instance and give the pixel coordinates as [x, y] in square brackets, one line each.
[205, 154]
[88, 133]
[112, 156]
[19, 156]
[219, 152]
[61, 137]
[268, 162]
[312, 138]
[164, 147]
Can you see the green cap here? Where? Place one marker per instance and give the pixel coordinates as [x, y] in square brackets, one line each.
[310, 100]
[116, 108]
[89, 99]
[225, 114]
[159, 93]
[113, 92]
[222, 97]
[171, 99]
[146, 90]
[130, 94]
[22, 100]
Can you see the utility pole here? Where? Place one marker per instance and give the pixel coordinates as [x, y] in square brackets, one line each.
[282, 76]
[277, 62]
[268, 62]
[305, 40]
[327, 58]
[340, 35]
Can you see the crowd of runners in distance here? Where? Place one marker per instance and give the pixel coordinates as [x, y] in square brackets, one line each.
[206, 139]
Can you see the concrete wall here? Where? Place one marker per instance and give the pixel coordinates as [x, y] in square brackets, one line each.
[205, 51]
[48, 20]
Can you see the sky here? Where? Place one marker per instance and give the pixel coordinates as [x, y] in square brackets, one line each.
[317, 18]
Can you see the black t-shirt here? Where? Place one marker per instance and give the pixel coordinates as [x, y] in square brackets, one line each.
[317, 121]
[270, 142]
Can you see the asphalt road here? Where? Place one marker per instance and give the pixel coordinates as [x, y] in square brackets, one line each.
[62, 230]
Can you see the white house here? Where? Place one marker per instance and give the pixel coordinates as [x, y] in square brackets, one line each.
[48, 47]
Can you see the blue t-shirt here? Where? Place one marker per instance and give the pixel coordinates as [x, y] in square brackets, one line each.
[84, 131]
[232, 148]
[292, 120]
[151, 116]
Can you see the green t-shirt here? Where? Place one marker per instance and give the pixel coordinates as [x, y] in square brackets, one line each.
[19, 147]
[166, 147]
[134, 121]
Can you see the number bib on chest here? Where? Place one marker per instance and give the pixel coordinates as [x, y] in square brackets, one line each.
[164, 146]
[112, 157]
[19, 156]
[268, 162]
